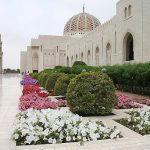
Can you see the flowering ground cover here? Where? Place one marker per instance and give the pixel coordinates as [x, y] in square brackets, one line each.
[143, 101]
[139, 121]
[125, 102]
[36, 97]
[49, 126]
[35, 101]
[28, 80]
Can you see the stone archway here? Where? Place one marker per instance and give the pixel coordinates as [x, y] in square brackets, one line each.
[82, 56]
[72, 60]
[128, 46]
[89, 57]
[97, 56]
[108, 54]
[35, 62]
[67, 61]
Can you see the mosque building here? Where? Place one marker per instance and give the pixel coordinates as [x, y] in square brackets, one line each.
[125, 38]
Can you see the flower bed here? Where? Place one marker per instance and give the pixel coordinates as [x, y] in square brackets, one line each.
[36, 97]
[125, 102]
[28, 80]
[139, 121]
[58, 126]
[33, 100]
[143, 101]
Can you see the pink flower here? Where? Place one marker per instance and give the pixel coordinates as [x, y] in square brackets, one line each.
[125, 102]
[32, 100]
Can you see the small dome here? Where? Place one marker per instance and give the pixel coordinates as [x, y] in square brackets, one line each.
[80, 24]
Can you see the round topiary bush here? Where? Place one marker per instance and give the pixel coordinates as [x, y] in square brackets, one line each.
[79, 63]
[91, 94]
[43, 79]
[35, 75]
[51, 80]
[40, 76]
[62, 84]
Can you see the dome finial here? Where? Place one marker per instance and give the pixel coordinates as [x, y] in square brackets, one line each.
[83, 8]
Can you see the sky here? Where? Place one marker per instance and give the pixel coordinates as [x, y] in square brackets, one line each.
[21, 20]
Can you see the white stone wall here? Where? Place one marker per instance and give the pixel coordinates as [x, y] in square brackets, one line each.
[23, 63]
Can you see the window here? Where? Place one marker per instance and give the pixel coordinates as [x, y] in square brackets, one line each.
[97, 56]
[129, 10]
[89, 57]
[125, 13]
[108, 54]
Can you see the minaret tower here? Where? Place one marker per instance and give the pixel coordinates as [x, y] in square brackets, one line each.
[1, 56]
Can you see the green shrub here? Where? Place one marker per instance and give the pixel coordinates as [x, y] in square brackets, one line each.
[34, 75]
[58, 67]
[133, 78]
[91, 94]
[66, 70]
[40, 77]
[62, 84]
[79, 63]
[51, 80]
[44, 79]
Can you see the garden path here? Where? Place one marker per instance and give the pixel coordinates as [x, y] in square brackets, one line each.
[10, 91]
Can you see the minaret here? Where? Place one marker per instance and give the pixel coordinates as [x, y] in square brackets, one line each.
[1, 56]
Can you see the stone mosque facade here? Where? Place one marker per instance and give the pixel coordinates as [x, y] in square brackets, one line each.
[123, 39]
[1, 56]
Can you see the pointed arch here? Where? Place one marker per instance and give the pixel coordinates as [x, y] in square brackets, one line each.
[108, 54]
[76, 57]
[67, 61]
[128, 47]
[89, 57]
[129, 10]
[125, 12]
[82, 56]
[72, 60]
[97, 54]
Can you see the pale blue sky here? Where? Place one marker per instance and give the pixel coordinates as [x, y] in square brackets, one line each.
[21, 20]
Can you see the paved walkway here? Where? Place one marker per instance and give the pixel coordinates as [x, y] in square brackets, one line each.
[10, 91]
[9, 94]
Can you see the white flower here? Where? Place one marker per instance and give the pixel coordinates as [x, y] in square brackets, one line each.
[50, 140]
[68, 138]
[54, 141]
[46, 131]
[34, 124]
[16, 136]
[30, 139]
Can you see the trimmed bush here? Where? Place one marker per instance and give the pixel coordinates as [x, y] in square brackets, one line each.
[62, 84]
[133, 78]
[40, 77]
[91, 94]
[51, 80]
[34, 75]
[79, 63]
[44, 79]
[66, 70]
[58, 67]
